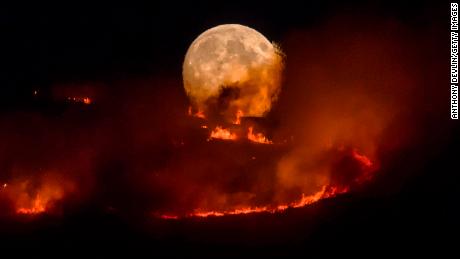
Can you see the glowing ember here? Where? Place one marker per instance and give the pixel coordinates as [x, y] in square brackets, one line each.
[239, 114]
[207, 214]
[169, 217]
[84, 100]
[258, 137]
[221, 133]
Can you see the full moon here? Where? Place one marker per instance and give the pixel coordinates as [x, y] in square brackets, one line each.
[232, 68]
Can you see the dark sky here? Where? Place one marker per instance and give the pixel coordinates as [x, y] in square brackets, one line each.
[47, 43]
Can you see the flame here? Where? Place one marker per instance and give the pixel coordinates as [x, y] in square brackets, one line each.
[258, 137]
[198, 114]
[37, 205]
[169, 216]
[84, 100]
[222, 133]
[239, 114]
[41, 200]
[326, 191]
[31, 197]
[207, 214]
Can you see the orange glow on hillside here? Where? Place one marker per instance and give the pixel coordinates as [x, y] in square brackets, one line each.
[326, 191]
[305, 200]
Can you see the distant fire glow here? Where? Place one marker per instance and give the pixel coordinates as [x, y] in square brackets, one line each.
[84, 100]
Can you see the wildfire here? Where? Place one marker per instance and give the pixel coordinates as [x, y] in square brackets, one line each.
[40, 201]
[258, 137]
[32, 196]
[37, 205]
[222, 133]
[327, 191]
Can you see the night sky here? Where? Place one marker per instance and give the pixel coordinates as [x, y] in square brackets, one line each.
[386, 58]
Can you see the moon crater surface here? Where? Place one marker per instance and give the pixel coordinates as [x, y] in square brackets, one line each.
[232, 68]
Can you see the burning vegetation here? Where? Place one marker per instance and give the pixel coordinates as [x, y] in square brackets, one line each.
[140, 150]
[37, 195]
